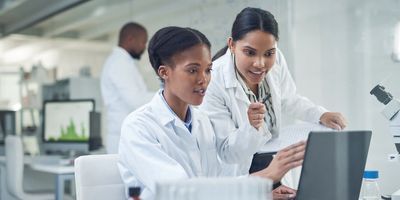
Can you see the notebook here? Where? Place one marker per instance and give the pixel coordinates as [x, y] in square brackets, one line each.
[292, 134]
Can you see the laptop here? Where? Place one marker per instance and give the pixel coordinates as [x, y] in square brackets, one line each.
[333, 165]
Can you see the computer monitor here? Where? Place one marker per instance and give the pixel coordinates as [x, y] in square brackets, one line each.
[95, 140]
[7, 126]
[66, 126]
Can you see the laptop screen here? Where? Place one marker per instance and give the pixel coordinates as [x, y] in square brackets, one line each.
[333, 165]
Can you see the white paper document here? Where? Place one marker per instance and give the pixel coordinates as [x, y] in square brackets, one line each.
[292, 134]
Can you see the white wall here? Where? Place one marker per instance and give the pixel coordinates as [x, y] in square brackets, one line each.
[341, 50]
[214, 18]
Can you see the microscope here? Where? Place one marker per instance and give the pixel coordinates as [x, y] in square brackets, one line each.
[391, 112]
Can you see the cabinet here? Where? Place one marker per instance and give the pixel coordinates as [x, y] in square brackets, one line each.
[74, 88]
[30, 89]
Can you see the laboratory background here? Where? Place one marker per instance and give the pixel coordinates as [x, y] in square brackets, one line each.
[336, 51]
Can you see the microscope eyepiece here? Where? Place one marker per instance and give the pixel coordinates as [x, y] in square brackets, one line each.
[380, 93]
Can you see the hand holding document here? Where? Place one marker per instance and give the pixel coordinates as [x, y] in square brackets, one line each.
[288, 136]
[292, 134]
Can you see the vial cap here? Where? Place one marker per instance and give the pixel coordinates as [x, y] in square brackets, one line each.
[372, 174]
[134, 191]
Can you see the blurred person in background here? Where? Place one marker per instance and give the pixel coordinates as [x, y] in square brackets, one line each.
[122, 86]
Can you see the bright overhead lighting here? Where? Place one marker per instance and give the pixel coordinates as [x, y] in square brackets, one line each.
[19, 54]
[99, 11]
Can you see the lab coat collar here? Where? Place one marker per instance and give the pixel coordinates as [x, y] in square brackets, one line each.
[229, 70]
[165, 115]
[230, 77]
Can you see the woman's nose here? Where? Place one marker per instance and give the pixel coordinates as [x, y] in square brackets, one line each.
[203, 78]
[259, 62]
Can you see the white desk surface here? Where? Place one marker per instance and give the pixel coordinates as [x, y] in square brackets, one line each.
[62, 172]
[45, 167]
[55, 169]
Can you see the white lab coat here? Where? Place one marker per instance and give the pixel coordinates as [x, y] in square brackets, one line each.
[226, 104]
[123, 90]
[155, 145]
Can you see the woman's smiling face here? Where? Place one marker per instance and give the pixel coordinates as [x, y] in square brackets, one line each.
[254, 55]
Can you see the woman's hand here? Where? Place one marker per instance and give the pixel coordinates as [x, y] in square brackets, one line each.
[333, 120]
[256, 113]
[285, 160]
[283, 193]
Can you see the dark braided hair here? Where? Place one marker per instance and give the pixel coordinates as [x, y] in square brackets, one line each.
[171, 40]
[251, 19]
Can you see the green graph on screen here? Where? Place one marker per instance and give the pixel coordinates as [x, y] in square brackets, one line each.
[70, 133]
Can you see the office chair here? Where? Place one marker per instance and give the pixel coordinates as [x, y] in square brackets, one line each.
[97, 177]
[15, 171]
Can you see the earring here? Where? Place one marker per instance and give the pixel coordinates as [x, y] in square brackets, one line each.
[233, 59]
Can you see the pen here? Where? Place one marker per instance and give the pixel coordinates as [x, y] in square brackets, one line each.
[266, 98]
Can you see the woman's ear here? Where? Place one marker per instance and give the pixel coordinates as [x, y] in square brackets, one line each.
[231, 44]
[163, 72]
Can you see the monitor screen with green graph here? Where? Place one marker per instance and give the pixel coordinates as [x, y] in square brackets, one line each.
[67, 121]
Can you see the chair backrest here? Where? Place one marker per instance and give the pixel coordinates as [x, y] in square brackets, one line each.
[14, 165]
[97, 177]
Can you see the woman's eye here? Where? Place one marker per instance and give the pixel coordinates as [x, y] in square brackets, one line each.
[192, 71]
[269, 54]
[208, 70]
[249, 52]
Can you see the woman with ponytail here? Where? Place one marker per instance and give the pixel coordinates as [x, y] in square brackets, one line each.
[250, 88]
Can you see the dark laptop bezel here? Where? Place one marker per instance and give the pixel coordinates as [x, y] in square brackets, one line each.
[357, 176]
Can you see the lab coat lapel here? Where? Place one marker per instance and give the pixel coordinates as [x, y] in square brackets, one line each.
[275, 95]
[197, 131]
[205, 141]
[181, 129]
[231, 80]
[196, 138]
[188, 142]
[241, 96]
[164, 114]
